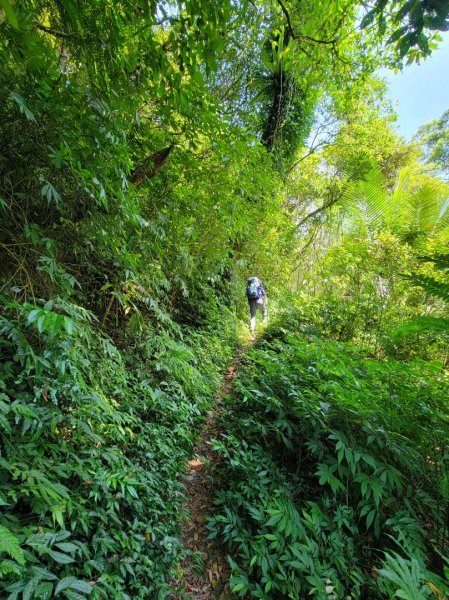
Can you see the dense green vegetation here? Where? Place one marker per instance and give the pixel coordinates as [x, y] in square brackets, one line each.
[152, 157]
[336, 472]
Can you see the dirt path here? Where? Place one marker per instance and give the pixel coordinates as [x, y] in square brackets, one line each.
[205, 571]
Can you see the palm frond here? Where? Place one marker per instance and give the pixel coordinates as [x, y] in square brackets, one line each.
[421, 325]
[419, 203]
[424, 207]
[439, 289]
[440, 261]
[370, 198]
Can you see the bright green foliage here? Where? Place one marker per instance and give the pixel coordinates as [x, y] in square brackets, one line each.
[354, 151]
[362, 249]
[410, 23]
[416, 205]
[380, 292]
[356, 291]
[436, 285]
[144, 149]
[366, 139]
[330, 459]
[94, 442]
[435, 140]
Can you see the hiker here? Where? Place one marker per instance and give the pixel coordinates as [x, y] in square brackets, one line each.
[257, 298]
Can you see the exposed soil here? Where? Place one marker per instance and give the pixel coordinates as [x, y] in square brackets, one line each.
[205, 571]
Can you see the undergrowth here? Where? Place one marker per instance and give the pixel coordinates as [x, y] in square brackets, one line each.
[94, 438]
[334, 473]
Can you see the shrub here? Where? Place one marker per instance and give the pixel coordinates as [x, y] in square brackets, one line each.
[93, 445]
[335, 469]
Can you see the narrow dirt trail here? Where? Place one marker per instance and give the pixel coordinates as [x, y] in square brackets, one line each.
[205, 571]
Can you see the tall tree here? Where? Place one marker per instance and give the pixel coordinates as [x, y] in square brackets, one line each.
[434, 138]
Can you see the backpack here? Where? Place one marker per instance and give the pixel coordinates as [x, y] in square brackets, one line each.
[253, 289]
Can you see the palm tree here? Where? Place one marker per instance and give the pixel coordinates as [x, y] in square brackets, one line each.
[417, 204]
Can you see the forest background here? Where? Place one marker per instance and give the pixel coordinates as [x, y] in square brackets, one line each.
[153, 155]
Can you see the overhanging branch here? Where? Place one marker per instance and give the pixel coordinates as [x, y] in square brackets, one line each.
[303, 38]
[333, 200]
[287, 16]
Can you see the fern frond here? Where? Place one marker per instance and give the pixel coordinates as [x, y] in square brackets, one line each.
[422, 325]
[10, 545]
[439, 289]
[403, 577]
[440, 261]
[371, 197]
[8, 567]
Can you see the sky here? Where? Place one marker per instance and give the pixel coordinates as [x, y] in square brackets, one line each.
[421, 92]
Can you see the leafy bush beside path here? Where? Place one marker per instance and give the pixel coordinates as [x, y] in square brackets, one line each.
[334, 479]
[93, 445]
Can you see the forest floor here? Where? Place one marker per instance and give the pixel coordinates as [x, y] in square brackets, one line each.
[205, 569]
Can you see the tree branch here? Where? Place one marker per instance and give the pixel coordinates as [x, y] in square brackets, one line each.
[333, 200]
[304, 38]
[59, 34]
[311, 151]
[308, 38]
[232, 86]
[287, 16]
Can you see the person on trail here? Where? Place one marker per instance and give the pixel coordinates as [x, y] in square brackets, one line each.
[257, 298]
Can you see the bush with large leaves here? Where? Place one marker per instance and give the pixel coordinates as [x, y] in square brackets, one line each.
[93, 444]
[334, 473]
